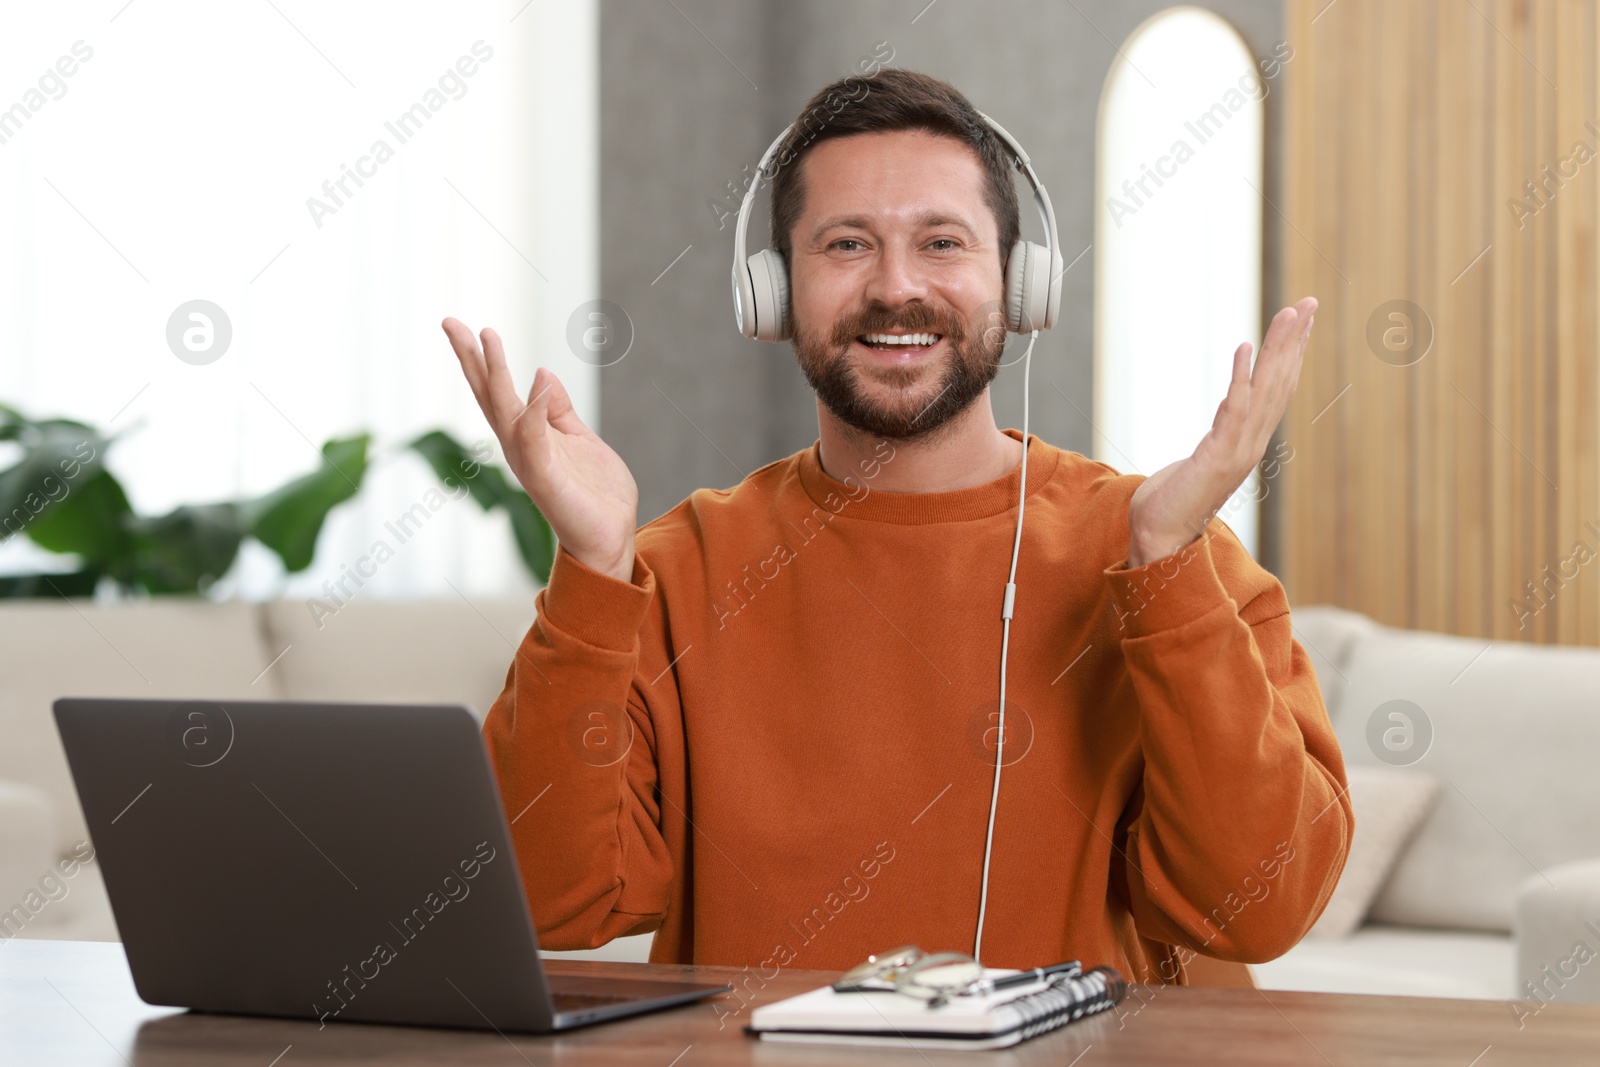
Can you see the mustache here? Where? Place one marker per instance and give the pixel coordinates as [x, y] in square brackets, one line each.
[913, 318]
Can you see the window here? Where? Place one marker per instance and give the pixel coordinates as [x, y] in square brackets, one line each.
[231, 153]
[1178, 242]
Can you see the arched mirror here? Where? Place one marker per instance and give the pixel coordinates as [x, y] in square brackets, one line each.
[1177, 241]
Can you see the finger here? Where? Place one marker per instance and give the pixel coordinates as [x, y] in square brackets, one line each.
[1228, 423]
[560, 411]
[1281, 351]
[527, 430]
[1311, 320]
[1289, 377]
[1273, 383]
[1307, 309]
[549, 410]
[467, 353]
[502, 393]
[543, 382]
[1305, 342]
[1282, 328]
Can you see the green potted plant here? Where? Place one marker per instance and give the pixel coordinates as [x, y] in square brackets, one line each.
[62, 497]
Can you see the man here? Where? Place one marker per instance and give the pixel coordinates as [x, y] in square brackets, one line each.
[763, 724]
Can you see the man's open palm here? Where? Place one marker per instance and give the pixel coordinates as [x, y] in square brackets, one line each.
[575, 479]
[1172, 506]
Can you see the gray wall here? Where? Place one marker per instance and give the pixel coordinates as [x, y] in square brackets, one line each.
[692, 94]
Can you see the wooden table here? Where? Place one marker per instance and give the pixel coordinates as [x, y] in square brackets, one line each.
[69, 1002]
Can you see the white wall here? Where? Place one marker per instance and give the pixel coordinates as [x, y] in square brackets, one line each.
[177, 164]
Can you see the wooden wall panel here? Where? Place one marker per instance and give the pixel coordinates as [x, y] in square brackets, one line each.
[1459, 492]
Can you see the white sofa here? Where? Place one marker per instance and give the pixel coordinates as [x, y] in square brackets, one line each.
[414, 651]
[1496, 886]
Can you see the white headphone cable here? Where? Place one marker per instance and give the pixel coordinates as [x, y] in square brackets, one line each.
[1005, 643]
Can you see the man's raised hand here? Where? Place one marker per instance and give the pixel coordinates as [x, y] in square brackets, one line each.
[1171, 507]
[575, 479]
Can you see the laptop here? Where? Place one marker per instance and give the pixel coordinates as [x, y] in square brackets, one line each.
[338, 862]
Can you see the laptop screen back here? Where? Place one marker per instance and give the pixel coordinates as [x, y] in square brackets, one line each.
[328, 861]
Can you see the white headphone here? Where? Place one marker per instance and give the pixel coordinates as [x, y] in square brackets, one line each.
[1032, 292]
[1033, 299]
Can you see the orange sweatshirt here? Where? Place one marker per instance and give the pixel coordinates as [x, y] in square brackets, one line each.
[775, 746]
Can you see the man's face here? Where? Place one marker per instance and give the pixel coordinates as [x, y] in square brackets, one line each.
[895, 281]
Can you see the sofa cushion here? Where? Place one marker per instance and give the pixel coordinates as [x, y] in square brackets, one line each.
[1390, 803]
[27, 853]
[1513, 732]
[635, 949]
[1328, 634]
[75, 906]
[1398, 961]
[417, 651]
[1557, 931]
[171, 646]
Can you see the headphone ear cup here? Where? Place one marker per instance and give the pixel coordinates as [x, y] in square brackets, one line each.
[1016, 285]
[1029, 303]
[769, 288]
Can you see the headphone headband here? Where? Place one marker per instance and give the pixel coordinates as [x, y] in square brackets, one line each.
[1032, 302]
[1041, 197]
[743, 294]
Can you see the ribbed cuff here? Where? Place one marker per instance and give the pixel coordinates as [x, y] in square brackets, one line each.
[1166, 593]
[596, 608]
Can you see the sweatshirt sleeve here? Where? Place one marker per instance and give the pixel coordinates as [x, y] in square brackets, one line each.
[1242, 822]
[571, 742]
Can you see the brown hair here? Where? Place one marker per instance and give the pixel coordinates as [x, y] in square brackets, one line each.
[891, 99]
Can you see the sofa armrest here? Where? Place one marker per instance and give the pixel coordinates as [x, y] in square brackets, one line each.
[1556, 923]
[27, 835]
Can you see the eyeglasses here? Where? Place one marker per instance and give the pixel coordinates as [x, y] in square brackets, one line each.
[937, 977]
[915, 973]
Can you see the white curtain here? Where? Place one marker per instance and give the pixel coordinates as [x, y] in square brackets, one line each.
[178, 161]
[1178, 241]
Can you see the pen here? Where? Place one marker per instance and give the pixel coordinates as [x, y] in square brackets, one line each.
[1070, 969]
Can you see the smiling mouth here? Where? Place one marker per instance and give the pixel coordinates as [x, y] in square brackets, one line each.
[900, 342]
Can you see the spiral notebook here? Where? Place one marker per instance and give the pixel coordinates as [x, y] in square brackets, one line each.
[997, 1020]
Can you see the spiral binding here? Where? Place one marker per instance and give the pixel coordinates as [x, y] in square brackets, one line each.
[1069, 1000]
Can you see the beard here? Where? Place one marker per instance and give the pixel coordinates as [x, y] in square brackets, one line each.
[971, 364]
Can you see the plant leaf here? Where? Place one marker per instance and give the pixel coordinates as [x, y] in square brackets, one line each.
[91, 521]
[59, 456]
[77, 583]
[536, 542]
[455, 466]
[489, 486]
[187, 549]
[11, 422]
[289, 519]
